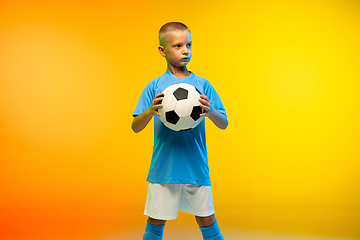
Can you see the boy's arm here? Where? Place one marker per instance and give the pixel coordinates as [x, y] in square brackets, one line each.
[140, 121]
[219, 119]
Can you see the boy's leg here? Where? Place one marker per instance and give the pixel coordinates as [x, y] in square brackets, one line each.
[209, 228]
[205, 221]
[162, 202]
[197, 200]
[156, 221]
[154, 229]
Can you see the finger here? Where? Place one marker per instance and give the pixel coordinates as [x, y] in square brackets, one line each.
[158, 106]
[204, 100]
[157, 100]
[205, 104]
[204, 97]
[156, 112]
[206, 109]
[159, 95]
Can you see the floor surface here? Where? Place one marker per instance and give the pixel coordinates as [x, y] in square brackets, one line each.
[229, 234]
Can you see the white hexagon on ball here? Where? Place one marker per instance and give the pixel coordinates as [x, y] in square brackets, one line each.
[169, 102]
[194, 97]
[181, 110]
[185, 122]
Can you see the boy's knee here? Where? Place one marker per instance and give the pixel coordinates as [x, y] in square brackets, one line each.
[156, 221]
[205, 221]
[212, 232]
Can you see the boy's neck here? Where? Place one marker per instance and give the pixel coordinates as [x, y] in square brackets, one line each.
[178, 72]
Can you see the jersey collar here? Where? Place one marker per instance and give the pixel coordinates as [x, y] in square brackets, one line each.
[178, 79]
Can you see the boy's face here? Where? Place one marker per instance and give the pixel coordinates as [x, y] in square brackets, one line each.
[177, 49]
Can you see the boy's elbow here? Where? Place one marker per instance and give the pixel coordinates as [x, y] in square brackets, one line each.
[225, 122]
[222, 125]
[225, 125]
[135, 129]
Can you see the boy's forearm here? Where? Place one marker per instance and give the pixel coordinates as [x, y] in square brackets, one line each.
[219, 119]
[140, 121]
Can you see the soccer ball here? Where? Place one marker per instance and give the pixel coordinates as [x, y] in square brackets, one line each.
[181, 110]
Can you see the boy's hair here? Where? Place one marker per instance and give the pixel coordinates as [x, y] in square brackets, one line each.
[168, 27]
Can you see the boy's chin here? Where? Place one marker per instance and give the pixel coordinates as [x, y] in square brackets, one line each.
[180, 65]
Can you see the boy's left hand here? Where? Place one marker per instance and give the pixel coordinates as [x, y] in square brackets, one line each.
[205, 104]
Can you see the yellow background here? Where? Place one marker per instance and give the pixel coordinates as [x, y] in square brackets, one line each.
[71, 73]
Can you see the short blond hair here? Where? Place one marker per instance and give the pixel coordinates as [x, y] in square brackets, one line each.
[168, 27]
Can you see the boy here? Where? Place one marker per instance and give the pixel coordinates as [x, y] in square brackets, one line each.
[179, 172]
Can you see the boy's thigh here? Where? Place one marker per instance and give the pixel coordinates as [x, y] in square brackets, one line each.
[197, 200]
[163, 201]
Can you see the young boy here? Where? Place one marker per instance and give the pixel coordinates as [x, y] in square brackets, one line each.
[179, 172]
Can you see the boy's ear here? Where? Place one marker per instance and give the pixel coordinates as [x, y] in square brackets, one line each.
[162, 51]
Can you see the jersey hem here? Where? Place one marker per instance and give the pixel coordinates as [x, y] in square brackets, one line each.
[172, 181]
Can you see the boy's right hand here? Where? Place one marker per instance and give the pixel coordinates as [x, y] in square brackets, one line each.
[156, 104]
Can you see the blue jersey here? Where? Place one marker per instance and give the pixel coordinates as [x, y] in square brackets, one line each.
[178, 157]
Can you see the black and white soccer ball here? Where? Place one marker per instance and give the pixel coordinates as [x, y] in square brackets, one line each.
[181, 110]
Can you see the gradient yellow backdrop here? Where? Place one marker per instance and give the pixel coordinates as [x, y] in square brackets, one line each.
[71, 73]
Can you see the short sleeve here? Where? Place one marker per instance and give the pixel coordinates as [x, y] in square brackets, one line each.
[146, 98]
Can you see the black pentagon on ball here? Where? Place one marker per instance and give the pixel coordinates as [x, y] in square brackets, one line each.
[181, 93]
[195, 114]
[172, 117]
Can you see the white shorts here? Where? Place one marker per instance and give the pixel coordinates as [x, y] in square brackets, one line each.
[164, 200]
